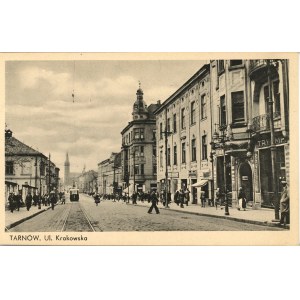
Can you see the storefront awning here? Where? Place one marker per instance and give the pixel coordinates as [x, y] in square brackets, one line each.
[200, 183]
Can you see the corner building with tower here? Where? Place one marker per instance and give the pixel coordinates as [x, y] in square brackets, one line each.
[138, 151]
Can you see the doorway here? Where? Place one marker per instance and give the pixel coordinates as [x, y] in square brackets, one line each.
[246, 180]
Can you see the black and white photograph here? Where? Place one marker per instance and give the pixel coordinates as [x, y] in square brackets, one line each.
[157, 144]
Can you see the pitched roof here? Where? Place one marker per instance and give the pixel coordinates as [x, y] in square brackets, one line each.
[15, 147]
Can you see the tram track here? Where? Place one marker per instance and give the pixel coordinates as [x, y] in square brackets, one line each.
[76, 219]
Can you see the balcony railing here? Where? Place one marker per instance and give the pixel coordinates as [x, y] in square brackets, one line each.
[256, 65]
[262, 122]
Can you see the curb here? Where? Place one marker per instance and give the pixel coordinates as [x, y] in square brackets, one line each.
[8, 227]
[263, 223]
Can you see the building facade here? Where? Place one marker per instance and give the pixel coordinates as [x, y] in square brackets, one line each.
[28, 170]
[139, 167]
[250, 110]
[110, 175]
[183, 125]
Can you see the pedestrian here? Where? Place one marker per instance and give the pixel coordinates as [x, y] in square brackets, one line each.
[154, 200]
[11, 202]
[217, 198]
[187, 196]
[202, 198]
[181, 198]
[52, 198]
[97, 199]
[35, 199]
[242, 199]
[134, 197]
[28, 201]
[63, 198]
[176, 197]
[285, 205]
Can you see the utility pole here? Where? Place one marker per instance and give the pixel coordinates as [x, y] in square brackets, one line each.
[166, 133]
[49, 175]
[273, 146]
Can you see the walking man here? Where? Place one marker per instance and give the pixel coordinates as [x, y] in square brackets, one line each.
[28, 201]
[154, 199]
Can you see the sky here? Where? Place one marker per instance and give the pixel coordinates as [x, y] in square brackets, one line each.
[40, 111]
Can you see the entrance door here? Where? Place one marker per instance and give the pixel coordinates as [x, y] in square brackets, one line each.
[246, 180]
[194, 192]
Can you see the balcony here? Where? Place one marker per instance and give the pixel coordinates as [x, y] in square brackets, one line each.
[256, 67]
[262, 122]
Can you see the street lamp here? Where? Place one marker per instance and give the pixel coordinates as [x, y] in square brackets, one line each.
[219, 141]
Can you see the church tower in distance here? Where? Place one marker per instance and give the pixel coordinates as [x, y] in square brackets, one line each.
[67, 170]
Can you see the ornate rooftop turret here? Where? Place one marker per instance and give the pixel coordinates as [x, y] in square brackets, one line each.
[140, 110]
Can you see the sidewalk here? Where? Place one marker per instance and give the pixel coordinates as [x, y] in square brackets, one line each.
[17, 217]
[262, 216]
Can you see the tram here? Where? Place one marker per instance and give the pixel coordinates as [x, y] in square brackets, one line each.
[74, 194]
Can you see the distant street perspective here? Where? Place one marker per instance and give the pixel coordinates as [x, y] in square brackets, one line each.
[110, 215]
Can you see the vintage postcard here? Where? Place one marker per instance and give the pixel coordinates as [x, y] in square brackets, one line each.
[149, 149]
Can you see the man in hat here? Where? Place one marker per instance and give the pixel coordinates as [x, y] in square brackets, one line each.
[285, 205]
[53, 199]
[154, 199]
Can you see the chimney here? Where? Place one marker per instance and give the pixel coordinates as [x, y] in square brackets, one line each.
[158, 102]
[8, 133]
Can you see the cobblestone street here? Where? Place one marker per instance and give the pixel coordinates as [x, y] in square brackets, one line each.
[119, 216]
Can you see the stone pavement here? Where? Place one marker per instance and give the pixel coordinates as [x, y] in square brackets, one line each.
[17, 217]
[261, 216]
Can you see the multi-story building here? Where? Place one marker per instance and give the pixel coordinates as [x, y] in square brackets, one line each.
[26, 169]
[250, 110]
[139, 147]
[184, 119]
[110, 174]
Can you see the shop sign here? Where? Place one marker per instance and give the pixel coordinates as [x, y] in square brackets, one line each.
[173, 174]
[267, 142]
[245, 178]
[192, 173]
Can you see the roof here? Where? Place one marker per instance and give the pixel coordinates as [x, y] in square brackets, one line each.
[14, 147]
[205, 69]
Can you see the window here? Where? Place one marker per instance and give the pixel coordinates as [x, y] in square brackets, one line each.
[142, 169]
[129, 137]
[154, 169]
[204, 147]
[203, 107]
[236, 62]
[142, 133]
[194, 150]
[168, 125]
[142, 151]
[161, 158]
[154, 151]
[136, 169]
[169, 156]
[9, 168]
[182, 118]
[276, 98]
[222, 111]
[183, 153]
[138, 133]
[221, 66]
[193, 111]
[154, 135]
[160, 131]
[238, 114]
[175, 155]
[42, 168]
[174, 124]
